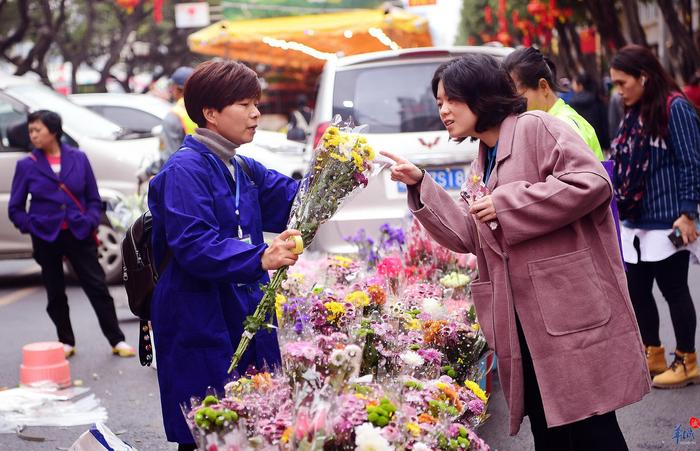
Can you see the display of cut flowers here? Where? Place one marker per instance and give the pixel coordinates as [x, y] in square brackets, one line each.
[341, 164]
[364, 367]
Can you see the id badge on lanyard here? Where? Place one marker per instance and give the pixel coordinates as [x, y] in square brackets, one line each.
[241, 237]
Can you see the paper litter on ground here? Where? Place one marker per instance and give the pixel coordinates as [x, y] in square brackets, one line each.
[48, 406]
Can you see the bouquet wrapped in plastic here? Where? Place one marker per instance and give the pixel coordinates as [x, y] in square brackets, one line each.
[340, 165]
[473, 189]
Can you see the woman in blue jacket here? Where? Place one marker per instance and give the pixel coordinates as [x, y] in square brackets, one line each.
[209, 214]
[64, 213]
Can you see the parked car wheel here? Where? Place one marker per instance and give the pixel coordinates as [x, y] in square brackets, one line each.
[109, 254]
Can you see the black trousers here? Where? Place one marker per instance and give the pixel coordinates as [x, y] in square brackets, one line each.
[186, 447]
[671, 275]
[597, 433]
[82, 255]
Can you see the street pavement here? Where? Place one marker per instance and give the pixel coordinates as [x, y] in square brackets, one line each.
[130, 392]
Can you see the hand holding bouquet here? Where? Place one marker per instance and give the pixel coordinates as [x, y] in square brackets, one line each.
[474, 189]
[341, 164]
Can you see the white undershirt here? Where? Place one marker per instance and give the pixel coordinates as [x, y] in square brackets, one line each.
[654, 245]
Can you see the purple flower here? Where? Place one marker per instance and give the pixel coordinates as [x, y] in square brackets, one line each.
[431, 355]
[476, 407]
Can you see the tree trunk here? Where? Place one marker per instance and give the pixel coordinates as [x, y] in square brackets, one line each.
[566, 56]
[686, 53]
[21, 30]
[129, 25]
[631, 9]
[607, 23]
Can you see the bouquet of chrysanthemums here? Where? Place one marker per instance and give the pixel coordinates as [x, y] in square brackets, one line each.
[340, 165]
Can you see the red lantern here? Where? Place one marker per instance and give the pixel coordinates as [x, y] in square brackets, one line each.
[536, 8]
[128, 5]
[503, 37]
[587, 41]
[488, 15]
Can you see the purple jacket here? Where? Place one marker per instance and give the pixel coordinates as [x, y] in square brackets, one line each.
[50, 205]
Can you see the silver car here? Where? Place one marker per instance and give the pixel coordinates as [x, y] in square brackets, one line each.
[391, 93]
[115, 157]
[144, 114]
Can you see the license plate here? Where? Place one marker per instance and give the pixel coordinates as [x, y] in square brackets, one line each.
[451, 179]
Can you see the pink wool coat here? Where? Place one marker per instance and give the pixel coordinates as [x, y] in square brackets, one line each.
[554, 259]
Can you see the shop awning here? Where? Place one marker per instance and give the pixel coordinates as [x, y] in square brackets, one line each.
[309, 41]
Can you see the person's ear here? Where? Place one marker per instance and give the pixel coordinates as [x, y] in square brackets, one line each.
[542, 84]
[210, 114]
[643, 79]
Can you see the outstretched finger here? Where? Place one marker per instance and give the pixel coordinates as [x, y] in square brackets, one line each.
[397, 159]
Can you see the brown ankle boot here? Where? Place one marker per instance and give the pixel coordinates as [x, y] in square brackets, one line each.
[656, 361]
[683, 371]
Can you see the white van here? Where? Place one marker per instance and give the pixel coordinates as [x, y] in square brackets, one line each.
[391, 92]
[114, 155]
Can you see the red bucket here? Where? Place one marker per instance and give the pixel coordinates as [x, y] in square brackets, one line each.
[45, 361]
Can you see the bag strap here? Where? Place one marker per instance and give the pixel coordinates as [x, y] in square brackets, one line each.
[244, 165]
[65, 189]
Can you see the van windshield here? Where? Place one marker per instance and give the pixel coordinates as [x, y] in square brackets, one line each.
[390, 99]
[76, 119]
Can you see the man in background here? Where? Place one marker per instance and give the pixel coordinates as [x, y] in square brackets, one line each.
[176, 124]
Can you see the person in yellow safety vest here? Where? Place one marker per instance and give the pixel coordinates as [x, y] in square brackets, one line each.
[176, 124]
[534, 76]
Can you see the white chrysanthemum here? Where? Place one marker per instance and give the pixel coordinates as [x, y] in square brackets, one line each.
[369, 438]
[412, 358]
[433, 307]
[420, 446]
[338, 357]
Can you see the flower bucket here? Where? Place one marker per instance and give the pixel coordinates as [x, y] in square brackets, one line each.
[44, 361]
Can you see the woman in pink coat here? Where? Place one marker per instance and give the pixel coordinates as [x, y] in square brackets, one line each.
[551, 295]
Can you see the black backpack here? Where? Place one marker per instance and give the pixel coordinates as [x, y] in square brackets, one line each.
[140, 276]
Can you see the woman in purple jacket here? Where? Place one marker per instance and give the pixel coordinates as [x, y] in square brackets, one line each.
[63, 215]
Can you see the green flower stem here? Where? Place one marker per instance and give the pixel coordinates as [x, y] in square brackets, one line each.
[253, 322]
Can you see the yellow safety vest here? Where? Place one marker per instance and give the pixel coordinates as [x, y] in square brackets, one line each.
[188, 125]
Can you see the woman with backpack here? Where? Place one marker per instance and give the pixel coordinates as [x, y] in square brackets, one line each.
[64, 213]
[210, 208]
[657, 185]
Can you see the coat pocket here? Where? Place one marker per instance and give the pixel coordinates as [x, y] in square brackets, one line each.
[569, 293]
[482, 295]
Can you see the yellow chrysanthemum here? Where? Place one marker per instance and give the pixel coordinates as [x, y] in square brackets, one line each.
[358, 298]
[342, 261]
[370, 153]
[474, 387]
[357, 159]
[335, 310]
[286, 434]
[413, 429]
[339, 157]
[413, 324]
[280, 300]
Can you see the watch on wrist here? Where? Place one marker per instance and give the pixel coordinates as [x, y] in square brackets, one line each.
[692, 215]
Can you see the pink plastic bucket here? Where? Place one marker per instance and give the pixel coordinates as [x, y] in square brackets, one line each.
[45, 361]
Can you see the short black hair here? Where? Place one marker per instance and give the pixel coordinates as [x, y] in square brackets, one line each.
[530, 65]
[480, 82]
[51, 120]
[218, 84]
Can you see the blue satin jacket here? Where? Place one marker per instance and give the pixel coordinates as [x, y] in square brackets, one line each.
[213, 280]
[50, 205]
